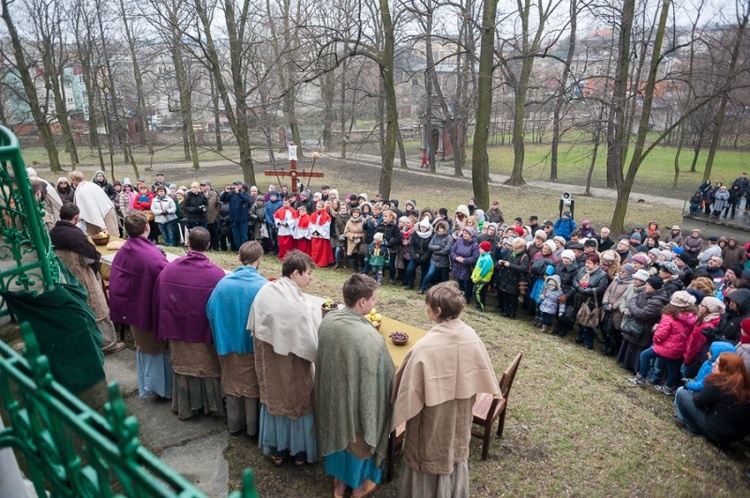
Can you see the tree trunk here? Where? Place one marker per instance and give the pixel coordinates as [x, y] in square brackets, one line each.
[217, 115]
[391, 107]
[562, 98]
[401, 150]
[480, 175]
[623, 194]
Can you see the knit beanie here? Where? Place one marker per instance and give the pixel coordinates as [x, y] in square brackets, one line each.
[636, 236]
[628, 268]
[655, 281]
[485, 246]
[640, 258]
[642, 275]
[736, 269]
[551, 245]
[698, 295]
[518, 230]
[681, 299]
[567, 253]
[715, 305]
[667, 255]
[670, 268]
[541, 235]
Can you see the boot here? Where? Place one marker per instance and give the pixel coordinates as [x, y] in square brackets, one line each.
[546, 329]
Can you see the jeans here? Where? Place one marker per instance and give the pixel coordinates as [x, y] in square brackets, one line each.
[695, 210]
[442, 276]
[339, 254]
[546, 318]
[411, 271]
[239, 233]
[169, 232]
[466, 286]
[694, 417]
[647, 356]
[586, 335]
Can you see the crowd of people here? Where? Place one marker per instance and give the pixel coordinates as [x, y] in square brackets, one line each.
[672, 308]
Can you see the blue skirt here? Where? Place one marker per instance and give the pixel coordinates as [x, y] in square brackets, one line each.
[154, 374]
[349, 469]
[278, 433]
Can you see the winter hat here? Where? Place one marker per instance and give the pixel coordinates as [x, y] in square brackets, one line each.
[654, 252]
[305, 194]
[642, 275]
[518, 243]
[485, 246]
[635, 236]
[698, 295]
[713, 305]
[655, 281]
[567, 253]
[670, 268]
[541, 235]
[628, 268]
[681, 299]
[273, 192]
[469, 230]
[62, 179]
[640, 258]
[363, 196]
[412, 202]
[694, 230]
[675, 227]
[125, 181]
[378, 237]
[528, 229]
[518, 220]
[593, 257]
[443, 211]
[534, 218]
[551, 245]
[667, 255]
[736, 269]
[745, 325]
[425, 223]
[560, 239]
[585, 223]
[518, 231]
[566, 214]
[746, 273]
[678, 251]
[589, 243]
[463, 210]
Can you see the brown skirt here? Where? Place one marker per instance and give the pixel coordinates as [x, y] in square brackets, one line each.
[238, 377]
[146, 342]
[453, 485]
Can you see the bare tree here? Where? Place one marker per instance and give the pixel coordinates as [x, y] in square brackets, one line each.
[38, 111]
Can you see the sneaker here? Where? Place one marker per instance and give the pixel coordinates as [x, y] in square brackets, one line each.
[669, 391]
[638, 381]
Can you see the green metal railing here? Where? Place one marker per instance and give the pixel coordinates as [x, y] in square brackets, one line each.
[65, 447]
[73, 451]
[27, 261]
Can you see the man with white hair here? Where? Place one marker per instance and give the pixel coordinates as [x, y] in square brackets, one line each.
[97, 210]
[604, 241]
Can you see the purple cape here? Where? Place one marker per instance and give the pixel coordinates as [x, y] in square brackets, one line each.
[180, 298]
[131, 282]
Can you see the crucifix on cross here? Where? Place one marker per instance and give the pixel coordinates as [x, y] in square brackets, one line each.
[293, 172]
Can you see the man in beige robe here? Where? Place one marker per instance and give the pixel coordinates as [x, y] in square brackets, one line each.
[285, 336]
[430, 405]
[97, 210]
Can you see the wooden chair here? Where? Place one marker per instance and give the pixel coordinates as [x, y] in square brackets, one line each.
[488, 408]
[395, 447]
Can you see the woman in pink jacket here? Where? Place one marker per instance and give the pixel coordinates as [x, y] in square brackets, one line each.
[670, 341]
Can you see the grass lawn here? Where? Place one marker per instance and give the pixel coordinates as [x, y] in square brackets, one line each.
[574, 426]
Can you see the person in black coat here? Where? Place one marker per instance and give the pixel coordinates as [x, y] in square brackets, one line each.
[590, 285]
[510, 272]
[419, 252]
[645, 308]
[194, 207]
[738, 309]
[566, 269]
[721, 410]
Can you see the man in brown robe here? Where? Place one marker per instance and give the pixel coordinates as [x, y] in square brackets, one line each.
[74, 250]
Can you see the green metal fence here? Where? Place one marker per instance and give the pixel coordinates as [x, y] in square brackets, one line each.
[73, 451]
[27, 261]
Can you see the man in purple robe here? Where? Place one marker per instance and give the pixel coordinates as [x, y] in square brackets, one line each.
[132, 279]
[182, 291]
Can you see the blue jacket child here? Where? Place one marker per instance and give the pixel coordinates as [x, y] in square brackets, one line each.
[715, 350]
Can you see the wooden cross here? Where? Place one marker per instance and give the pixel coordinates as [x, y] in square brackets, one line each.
[293, 172]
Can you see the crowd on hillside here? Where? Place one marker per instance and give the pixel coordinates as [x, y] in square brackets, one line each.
[673, 308]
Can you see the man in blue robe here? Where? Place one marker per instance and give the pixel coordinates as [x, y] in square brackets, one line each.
[227, 310]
